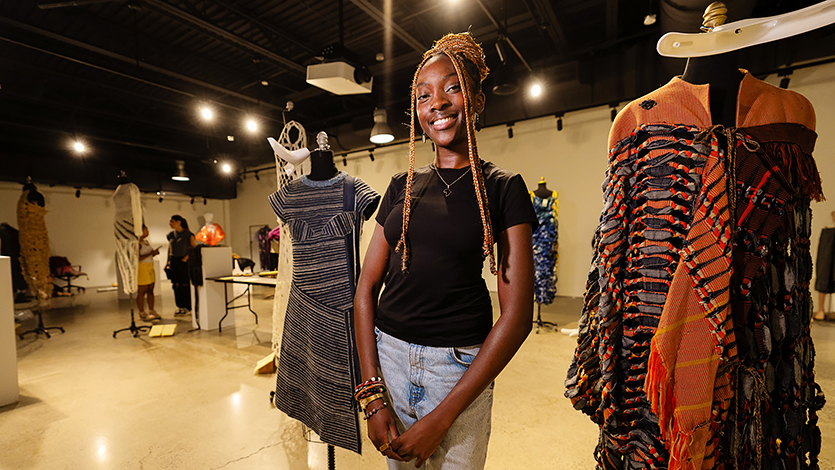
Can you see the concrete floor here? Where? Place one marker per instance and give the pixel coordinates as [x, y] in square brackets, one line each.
[192, 401]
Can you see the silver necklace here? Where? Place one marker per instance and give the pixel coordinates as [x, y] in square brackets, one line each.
[448, 191]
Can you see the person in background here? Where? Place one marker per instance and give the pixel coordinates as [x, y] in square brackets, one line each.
[180, 239]
[146, 277]
[431, 333]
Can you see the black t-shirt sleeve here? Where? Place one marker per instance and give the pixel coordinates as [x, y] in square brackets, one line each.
[390, 198]
[515, 205]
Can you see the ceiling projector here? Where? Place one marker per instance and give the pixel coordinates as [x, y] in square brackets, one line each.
[340, 78]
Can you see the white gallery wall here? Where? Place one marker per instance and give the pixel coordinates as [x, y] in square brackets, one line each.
[81, 229]
[573, 162]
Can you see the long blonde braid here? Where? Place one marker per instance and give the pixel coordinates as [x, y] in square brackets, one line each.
[458, 47]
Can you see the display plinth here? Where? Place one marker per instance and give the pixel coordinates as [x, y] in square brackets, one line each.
[217, 262]
[9, 390]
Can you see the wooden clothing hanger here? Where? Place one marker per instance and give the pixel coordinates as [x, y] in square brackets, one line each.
[745, 33]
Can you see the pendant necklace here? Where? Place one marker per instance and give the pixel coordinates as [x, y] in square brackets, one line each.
[448, 191]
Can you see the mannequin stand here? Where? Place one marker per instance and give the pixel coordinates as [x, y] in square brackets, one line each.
[539, 321]
[41, 328]
[132, 328]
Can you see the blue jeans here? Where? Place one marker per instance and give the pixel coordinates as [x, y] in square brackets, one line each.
[418, 378]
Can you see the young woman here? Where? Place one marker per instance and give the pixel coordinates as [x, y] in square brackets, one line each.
[431, 336]
[180, 239]
[146, 277]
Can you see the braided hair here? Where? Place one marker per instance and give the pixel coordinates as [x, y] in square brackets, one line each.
[468, 59]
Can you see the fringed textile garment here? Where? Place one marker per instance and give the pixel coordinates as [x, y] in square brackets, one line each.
[546, 244]
[34, 249]
[127, 228]
[732, 387]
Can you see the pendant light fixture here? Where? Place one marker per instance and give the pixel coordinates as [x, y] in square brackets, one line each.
[381, 132]
[505, 82]
[180, 174]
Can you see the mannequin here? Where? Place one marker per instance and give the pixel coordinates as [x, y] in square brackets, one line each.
[723, 76]
[825, 270]
[323, 213]
[545, 248]
[33, 195]
[322, 167]
[542, 190]
[712, 277]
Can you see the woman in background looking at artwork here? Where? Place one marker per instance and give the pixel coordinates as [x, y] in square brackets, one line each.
[180, 239]
[146, 277]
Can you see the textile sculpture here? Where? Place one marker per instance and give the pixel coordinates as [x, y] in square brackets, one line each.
[210, 234]
[293, 137]
[34, 249]
[720, 372]
[546, 247]
[317, 367]
[127, 228]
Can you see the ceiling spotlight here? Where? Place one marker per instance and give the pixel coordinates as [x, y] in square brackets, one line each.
[204, 201]
[192, 200]
[536, 89]
[649, 19]
[510, 131]
[230, 138]
[380, 57]
[344, 160]
[226, 168]
[265, 83]
[77, 193]
[614, 113]
[371, 155]
[257, 178]
[180, 174]
[79, 147]
[160, 199]
[252, 125]
[559, 123]
[381, 132]
[206, 113]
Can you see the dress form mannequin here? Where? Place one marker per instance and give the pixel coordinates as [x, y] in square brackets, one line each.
[322, 167]
[542, 190]
[723, 76]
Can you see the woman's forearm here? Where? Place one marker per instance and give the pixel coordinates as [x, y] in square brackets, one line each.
[365, 301]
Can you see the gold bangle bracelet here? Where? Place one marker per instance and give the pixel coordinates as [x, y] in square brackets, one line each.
[366, 401]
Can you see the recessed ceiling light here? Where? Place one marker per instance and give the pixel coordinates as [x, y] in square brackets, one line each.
[265, 83]
[79, 147]
[649, 19]
[227, 168]
[206, 113]
[536, 89]
[252, 125]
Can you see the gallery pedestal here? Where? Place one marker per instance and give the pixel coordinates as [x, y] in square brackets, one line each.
[217, 262]
[9, 390]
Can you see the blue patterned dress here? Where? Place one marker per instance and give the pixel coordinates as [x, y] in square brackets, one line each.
[545, 247]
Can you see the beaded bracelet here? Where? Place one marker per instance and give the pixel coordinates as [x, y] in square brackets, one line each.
[367, 392]
[374, 411]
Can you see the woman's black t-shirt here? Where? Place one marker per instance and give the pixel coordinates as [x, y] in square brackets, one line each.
[442, 300]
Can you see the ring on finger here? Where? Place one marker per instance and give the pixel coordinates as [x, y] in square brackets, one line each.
[383, 448]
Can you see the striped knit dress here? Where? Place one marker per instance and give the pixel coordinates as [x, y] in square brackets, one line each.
[694, 350]
[318, 367]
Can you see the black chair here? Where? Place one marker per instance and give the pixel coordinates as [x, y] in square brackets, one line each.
[62, 269]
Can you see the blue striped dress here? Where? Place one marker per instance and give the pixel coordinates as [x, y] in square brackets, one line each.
[318, 367]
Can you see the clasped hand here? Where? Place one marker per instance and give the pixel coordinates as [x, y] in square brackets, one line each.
[418, 443]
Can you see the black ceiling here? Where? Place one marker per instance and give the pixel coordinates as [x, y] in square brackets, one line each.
[127, 76]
